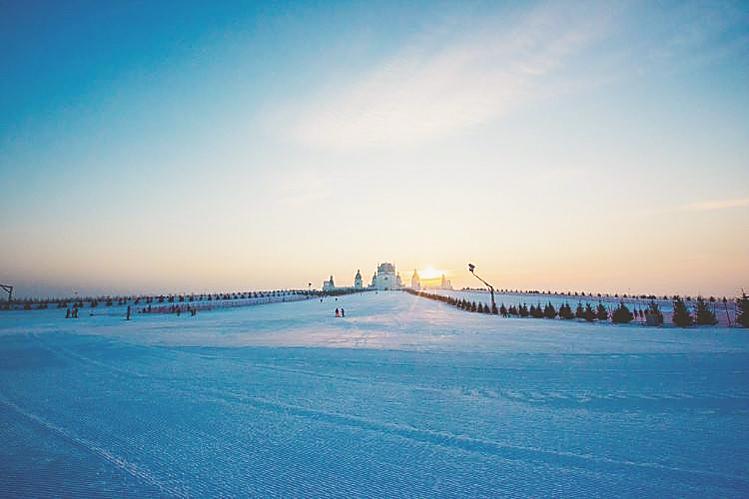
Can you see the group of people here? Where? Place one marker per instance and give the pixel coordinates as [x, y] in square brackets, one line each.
[174, 309]
[178, 310]
[340, 313]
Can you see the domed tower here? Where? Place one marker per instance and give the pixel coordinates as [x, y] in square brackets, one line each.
[445, 284]
[328, 285]
[385, 278]
[358, 280]
[415, 281]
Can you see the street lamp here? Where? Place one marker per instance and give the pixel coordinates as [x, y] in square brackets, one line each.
[471, 269]
[8, 289]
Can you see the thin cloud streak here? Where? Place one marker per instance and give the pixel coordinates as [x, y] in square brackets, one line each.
[715, 205]
[426, 93]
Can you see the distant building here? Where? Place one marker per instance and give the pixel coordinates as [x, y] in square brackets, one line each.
[446, 284]
[328, 285]
[415, 281]
[386, 278]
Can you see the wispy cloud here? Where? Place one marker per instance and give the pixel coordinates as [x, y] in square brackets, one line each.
[715, 205]
[438, 87]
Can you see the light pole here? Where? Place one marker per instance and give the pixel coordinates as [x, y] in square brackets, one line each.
[8, 289]
[471, 269]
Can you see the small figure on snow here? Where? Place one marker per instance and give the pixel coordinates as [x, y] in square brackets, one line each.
[67, 313]
[337, 313]
[343, 312]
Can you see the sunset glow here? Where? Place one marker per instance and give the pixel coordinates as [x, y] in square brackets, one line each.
[430, 273]
[247, 146]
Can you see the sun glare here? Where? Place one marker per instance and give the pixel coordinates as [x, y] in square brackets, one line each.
[431, 273]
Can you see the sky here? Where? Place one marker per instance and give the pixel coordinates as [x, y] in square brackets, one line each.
[186, 146]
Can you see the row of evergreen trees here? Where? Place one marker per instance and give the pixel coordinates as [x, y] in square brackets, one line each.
[583, 294]
[682, 317]
[94, 302]
[703, 314]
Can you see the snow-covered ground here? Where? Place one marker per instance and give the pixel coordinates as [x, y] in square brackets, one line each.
[403, 397]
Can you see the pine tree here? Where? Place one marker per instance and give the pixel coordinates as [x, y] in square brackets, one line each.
[487, 309]
[549, 311]
[503, 310]
[621, 314]
[653, 314]
[742, 310]
[480, 308]
[703, 315]
[474, 308]
[589, 314]
[681, 317]
[537, 312]
[601, 313]
[523, 310]
[565, 312]
[579, 311]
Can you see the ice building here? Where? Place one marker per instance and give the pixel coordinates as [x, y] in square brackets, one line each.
[386, 277]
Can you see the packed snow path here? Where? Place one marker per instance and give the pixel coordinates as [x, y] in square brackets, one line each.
[416, 399]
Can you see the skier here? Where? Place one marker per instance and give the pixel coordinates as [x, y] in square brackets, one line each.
[128, 313]
[337, 313]
[343, 312]
[67, 313]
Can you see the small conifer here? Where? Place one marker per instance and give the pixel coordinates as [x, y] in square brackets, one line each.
[681, 317]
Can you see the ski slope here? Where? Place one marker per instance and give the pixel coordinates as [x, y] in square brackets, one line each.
[403, 397]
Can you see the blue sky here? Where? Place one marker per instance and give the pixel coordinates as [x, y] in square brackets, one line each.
[188, 146]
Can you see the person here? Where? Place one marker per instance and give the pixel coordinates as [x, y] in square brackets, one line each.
[337, 313]
[67, 313]
[128, 313]
[343, 312]
[75, 312]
